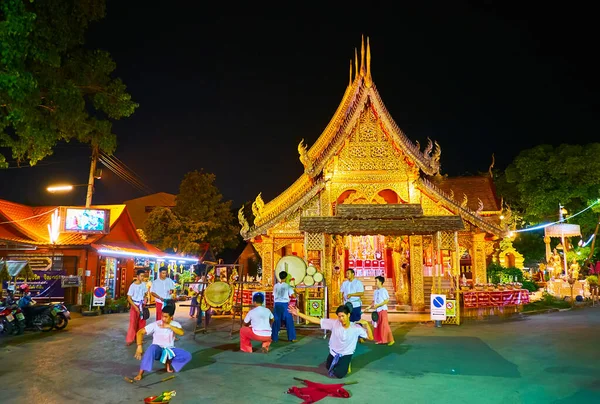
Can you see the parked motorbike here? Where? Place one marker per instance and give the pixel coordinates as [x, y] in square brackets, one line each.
[12, 320]
[39, 318]
[61, 315]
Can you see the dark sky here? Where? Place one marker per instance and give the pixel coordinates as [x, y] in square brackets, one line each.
[233, 91]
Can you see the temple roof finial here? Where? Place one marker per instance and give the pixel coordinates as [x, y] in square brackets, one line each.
[355, 63]
[368, 79]
[350, 79]
[362, 56]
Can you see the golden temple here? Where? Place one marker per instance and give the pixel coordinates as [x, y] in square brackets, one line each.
[372, 200]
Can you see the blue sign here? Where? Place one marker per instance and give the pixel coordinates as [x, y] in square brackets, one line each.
[43, 284]
[438, 302]
[99, 292]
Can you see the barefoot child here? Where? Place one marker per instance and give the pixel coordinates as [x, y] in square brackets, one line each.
[257, 326]
[344, 337]
[162, 348]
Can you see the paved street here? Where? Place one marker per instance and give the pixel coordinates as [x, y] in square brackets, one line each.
[537, 359]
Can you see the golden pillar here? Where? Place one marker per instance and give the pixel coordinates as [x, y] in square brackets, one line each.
[478, 258]
[416, 272]
[548, 251]
[268, 266]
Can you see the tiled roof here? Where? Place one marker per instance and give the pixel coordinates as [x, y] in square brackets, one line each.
[475, 187]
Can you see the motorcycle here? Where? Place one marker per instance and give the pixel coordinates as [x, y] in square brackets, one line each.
[12, 320]
[61, 315]
[39, 318]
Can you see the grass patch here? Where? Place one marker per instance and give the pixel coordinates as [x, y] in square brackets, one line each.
[548, 302]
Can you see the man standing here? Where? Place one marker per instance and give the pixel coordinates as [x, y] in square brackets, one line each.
[282, 292]
[163, 345]
[344, 336]
[161, 289]
[352, 289]
[135, 297]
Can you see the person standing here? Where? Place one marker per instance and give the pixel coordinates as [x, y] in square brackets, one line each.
[282, 292]
[352, 290]
[163, 345]
[161, 289]
[135, 297]
[343, 340]
[381, 297]
[194, 305]
[257, 326]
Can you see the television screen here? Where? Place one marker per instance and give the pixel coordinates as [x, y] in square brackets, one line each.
[80, 220]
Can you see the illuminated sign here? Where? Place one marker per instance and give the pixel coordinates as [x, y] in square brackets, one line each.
[81, 220]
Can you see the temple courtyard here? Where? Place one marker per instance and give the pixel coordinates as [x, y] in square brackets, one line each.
[548, 358]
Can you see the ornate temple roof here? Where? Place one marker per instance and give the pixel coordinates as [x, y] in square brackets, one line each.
[361, 93]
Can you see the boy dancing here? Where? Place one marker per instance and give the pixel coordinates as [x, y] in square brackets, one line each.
[163, 345]
[344, 336]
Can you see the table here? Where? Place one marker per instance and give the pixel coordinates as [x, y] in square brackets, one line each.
[484, 303]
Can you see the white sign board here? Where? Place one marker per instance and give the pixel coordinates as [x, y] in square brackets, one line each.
[99, 296]
[438, 307]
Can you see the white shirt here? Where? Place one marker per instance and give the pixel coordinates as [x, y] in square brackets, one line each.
[343, 340]
[163, 337]
[137, 292]
[259, 318]
[282, 292]
[352, 287]
[162, 288]
[380, 296]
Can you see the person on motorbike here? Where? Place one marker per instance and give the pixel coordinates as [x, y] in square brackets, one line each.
[26, 300]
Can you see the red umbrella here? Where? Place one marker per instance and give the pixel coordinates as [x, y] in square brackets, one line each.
[314, 392]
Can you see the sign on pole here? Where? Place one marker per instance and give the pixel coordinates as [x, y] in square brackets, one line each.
[99, 296]
[438, 307]
[450, 308]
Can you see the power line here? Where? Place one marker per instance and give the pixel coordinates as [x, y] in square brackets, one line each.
[124, 172]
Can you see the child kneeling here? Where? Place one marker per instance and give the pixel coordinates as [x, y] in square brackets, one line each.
[257, 326]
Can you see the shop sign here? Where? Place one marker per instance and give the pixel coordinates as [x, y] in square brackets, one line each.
[438, 307]
[40, 262]
[70, 281]
[43, 284]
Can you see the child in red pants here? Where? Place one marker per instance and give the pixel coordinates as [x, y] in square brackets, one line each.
[257, 326]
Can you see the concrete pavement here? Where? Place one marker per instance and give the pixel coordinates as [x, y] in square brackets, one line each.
[551, 358]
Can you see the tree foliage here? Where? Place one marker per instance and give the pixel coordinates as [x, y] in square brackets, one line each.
[541, 178]
[200, 216]
[51, 87]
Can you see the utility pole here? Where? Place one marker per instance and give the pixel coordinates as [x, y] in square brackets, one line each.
[90, 187]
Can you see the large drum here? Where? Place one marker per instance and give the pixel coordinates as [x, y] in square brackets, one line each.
[293, 265]
[218, 294]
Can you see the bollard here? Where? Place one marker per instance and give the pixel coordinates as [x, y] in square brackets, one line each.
[438, 323]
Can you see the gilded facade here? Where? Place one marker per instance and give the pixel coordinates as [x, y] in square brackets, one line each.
[436, 228]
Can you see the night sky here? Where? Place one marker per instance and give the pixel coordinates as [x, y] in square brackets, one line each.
[233, 91]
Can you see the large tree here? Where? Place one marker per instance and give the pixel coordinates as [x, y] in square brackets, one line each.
[200, 216]
[52, 88]
[541, 178]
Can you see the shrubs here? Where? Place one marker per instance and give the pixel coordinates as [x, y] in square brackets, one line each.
[530, 286]
[499, 274]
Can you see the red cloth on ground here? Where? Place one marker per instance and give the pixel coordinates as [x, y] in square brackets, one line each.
[314, 392]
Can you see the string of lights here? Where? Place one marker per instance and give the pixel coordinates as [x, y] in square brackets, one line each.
[543, 226]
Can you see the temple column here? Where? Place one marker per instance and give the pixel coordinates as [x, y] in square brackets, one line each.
[416, 272]
[478, 259]
[268, 266]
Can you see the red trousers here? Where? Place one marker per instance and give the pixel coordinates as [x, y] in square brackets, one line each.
[247, 336]
[159, 307]
[383, 333]
[135, 324]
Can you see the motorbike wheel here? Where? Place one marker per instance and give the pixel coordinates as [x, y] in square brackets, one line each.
[46, 322]
[8, 328]
[61, 321]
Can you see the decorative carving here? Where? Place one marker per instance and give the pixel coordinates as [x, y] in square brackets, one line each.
[257, 207]
[429, 148]
[243, 222]
[314, 241]
[479, 206]
[451, 194]
[478, 258]
[304, 159]
[416, 272]
[465, 201]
